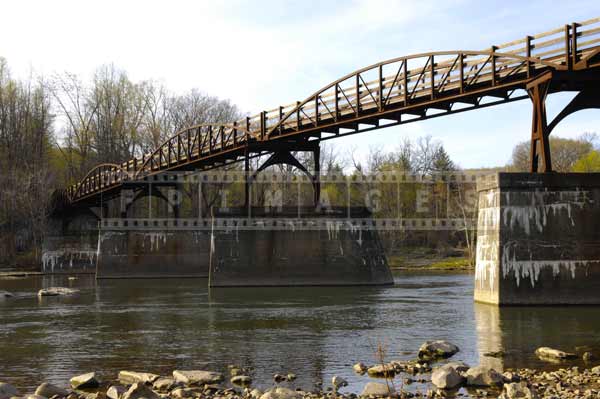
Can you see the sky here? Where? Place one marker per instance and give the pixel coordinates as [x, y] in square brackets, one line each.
[260, 54]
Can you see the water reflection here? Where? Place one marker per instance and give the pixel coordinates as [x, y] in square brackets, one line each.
[519, 331]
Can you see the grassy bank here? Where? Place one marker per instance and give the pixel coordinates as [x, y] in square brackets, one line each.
[429, 262]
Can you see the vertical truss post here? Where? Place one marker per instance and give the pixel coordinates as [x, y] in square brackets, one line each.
[246, 179]
[567, 48]
[574, 44]
[494, 48]
[432, 77]
[528, 54]
[540, 144]
[317, 175]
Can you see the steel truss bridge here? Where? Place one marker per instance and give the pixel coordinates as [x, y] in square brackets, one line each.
[389, 93]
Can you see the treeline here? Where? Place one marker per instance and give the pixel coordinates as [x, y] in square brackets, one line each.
[53, 130]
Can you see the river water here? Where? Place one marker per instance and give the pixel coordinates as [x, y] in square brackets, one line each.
[161, 325]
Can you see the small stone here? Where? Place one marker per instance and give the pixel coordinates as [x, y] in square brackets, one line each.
[588, 357]
[234, 371]
[7, 391]
[377, 389]
[518, 391]
[256, 393]
[291, 377]
[509, 376]
[242, 380]
[437, 350]
[131, 377]
[56, 291]
[360, 368]
[280, 393]
[546, 353]
[446, 377]
[83, 381]
[198, 377]
[48, 390]
[140, 390]
[279, 378]
[164, 384]
[35, 397]
[483, 377]
[115, 392]
[183, 393]
[338, 382]
[382, 370]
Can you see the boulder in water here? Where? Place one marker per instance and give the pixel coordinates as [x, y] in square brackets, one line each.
[481, 376]
[7, 391]
[48, 390]
[439, 349]
[377, 389]
[446, 377]
[197, 377]
[132, 377]
[83, 381]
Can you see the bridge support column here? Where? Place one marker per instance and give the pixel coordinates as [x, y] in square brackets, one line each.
[535, 242]
[540, 142]
[317, 176]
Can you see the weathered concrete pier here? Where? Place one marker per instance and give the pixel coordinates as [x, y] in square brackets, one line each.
[318, 248]
[538, 239]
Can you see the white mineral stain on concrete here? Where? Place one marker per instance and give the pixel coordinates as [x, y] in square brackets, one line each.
[531, 269]
[533, 217]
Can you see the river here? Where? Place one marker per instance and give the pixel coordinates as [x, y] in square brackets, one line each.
[165, 324]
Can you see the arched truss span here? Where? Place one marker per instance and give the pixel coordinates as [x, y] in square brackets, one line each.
[191, 144]
[98, 179]
[388, 93]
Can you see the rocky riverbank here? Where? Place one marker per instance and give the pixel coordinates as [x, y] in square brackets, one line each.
[431, 374]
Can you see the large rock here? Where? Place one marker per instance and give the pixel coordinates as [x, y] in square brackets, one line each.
[197, 377]
[360, 368]
[242, 380]
[7, 391]
[377, 389]
[164, 384]
[482, 376]
[546, 353]
[518, 391]
[382, 370]
[56, 291]
[460, 367]
[131, 377]
[140, 390]
[83, 381]
[437, 350]
[338, 382]
[446, 377]
[115, 392]
[280, 393]
[48, 390]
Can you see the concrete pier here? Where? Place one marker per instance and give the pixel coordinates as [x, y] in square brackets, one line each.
[234, 250]
[538, 239]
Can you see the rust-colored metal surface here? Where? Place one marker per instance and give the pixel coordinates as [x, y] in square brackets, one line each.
[389, 93]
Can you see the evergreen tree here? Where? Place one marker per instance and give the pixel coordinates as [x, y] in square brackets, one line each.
[441, 161]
